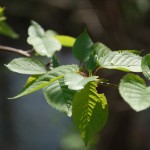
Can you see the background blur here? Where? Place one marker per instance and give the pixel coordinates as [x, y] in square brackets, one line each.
[29, 123]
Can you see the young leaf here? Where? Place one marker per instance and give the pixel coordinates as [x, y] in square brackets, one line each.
[146, 66]
[134, 91]
[83, 46]
[26, 66]
[89, 111]
[124, 61]
[37, 82]
[77, 81]
[59, 96]
[43, 42]
[67, 41]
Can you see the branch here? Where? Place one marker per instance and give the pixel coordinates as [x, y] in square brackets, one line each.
[14, 50]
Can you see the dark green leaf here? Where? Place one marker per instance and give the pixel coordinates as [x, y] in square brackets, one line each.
[83, 46]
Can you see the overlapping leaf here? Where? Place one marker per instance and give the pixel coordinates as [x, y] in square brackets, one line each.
[146, 66]
[122, 61]
[135, 92]
[26, 66]
[43, 42]
[37, 82]
[77, 81]
[59, 96]
[99, 50]
[89, 111]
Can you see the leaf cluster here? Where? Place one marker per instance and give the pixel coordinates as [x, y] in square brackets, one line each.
[72, 88]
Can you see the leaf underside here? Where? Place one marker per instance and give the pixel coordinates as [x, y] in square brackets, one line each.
[134, 91]
[26, 66]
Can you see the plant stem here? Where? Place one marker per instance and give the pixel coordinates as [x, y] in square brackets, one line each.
[108, 84]
[15, 50]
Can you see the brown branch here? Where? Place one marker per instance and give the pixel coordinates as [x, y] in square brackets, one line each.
[15, 50]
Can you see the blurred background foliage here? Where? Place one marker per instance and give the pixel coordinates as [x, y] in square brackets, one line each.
[29, 123]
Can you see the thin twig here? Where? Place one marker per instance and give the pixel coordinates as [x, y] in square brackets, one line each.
[108, 84]
[15, 50]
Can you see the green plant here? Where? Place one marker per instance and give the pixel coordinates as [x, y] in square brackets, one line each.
[72, 88]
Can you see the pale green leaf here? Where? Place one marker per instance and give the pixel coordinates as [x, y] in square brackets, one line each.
[26, 66]
[67, 41]
[122, 61]
[135, 92]
[59, 96]
[43, 42]
[83, 46]
[77, 81]
[146, 66]
[90, 111]
[35, 83]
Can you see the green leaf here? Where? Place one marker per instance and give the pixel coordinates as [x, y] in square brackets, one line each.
[137, 52]
[124, 61]
[67, 41]
[134, 91]
[26, 66]
[89, 111]
[83, 46]
[55, 62]
[6, 30]
[59, 96]
[99, 50]
[43, 42]
[146, 66]
[35, 83]
[77, 81]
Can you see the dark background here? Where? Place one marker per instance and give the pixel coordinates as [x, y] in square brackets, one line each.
[29, 123]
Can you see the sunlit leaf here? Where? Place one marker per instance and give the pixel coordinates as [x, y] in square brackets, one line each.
[124, 61]
[99, 50]
[67, 41]
[59, 96]
[26, 66]
[77, 81]
[135, 92]
[35, 83]
[89, 111]
[43, 42]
